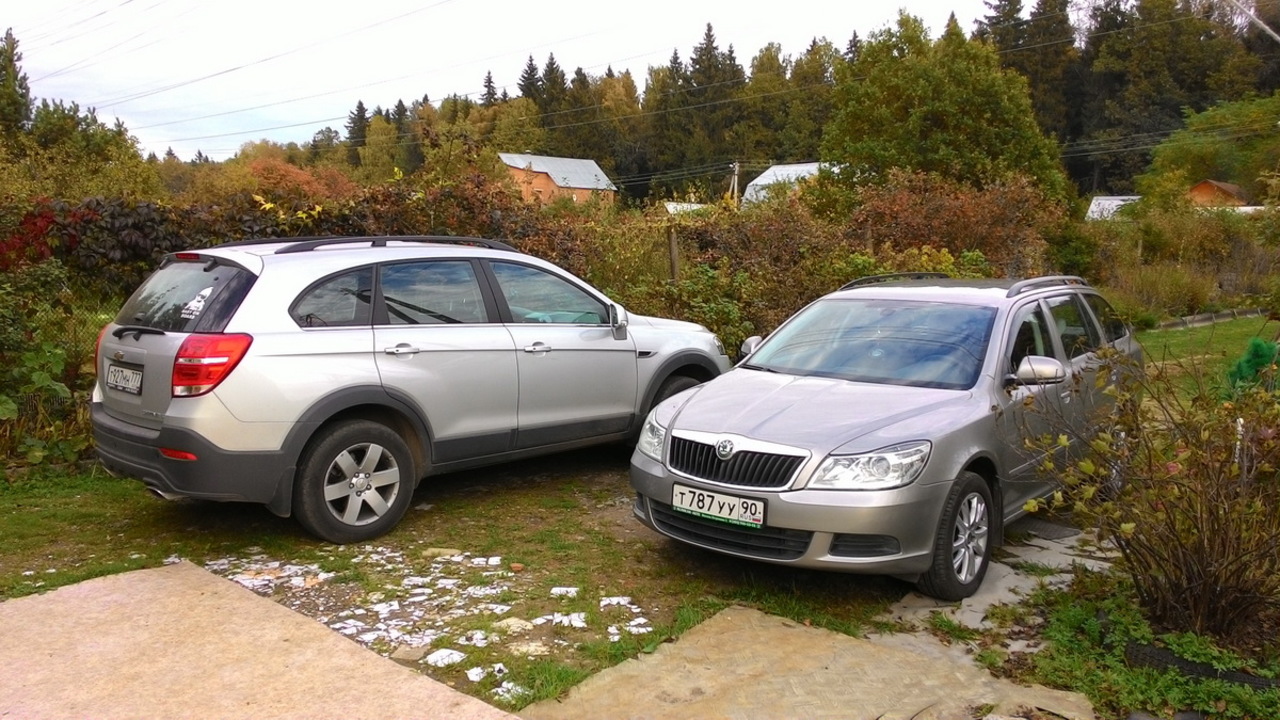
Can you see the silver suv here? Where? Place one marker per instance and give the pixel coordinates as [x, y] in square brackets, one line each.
[881, 429]
[324, 377]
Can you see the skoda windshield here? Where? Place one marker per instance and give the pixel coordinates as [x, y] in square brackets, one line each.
[894, 342]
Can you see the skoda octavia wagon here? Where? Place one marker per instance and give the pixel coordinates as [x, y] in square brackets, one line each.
[324, 377]
[881, 429]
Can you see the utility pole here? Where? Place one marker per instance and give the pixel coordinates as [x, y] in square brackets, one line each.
[733, 184]
[1255, 19]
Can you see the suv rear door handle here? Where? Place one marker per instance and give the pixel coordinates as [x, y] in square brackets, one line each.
[402, 349]
[537, 348]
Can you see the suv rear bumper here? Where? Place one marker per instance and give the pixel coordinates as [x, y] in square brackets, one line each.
[216, 474]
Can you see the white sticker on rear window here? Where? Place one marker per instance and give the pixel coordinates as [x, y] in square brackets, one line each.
[192, 309]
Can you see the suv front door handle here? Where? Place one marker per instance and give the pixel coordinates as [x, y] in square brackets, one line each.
[537, 347]
[402, 349]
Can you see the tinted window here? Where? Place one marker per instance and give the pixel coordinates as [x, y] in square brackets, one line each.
[341, 300]
[882, 341]
[1113, 328]
[432, 293]
[188, 296]
[1079, 335]
[538, 296]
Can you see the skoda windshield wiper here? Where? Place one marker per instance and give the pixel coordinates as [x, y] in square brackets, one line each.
[761, 368]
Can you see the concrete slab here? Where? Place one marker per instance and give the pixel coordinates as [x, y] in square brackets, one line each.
[178, 641]
[745, 664]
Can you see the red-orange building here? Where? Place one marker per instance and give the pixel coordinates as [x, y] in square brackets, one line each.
[544, 179]
[1211, 193]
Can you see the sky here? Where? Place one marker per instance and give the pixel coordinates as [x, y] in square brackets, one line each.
[211, 75]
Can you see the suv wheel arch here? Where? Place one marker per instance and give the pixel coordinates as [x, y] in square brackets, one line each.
[369, 402]
[692, 365]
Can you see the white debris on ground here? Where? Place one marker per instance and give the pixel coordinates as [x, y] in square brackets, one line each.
[429, 617]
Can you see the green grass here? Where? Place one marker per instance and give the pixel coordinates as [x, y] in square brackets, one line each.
[1088, 628]
[563, 517]
[1212, 346]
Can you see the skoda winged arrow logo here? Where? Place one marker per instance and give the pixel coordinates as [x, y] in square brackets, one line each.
[724, 449]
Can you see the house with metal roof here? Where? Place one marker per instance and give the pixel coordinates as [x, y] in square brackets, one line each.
[780, 175]
[544, 179]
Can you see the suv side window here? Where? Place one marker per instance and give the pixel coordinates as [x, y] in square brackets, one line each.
[1076, 328]
[339, 301]
[1030, 337]
[1113, 328]
[432, 293]
[536, 296]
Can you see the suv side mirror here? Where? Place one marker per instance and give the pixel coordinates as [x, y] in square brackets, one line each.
[1039, 370]
[618, 321]
[750, 344]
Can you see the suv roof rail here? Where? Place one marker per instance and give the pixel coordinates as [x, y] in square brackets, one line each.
[868, 280]
[1042, 282]
[307, 245]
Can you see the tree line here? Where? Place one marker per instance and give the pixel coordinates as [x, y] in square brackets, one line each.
[1107, 80]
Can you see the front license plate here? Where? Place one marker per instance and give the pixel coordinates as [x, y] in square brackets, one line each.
[748, 512]
[124, 379]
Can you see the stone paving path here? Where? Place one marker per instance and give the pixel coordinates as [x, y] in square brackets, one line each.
[746, 664]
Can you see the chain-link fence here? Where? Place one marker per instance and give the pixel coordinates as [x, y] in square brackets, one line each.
[49, 325]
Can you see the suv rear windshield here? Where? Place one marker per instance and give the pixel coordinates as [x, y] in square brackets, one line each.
[188, 296]
[894, 342]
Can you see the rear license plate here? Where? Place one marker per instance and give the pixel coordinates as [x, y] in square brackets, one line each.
[124, 379]
[748, 512]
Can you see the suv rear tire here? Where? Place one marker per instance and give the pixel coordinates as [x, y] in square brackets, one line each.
[355, 482]
[963, 540]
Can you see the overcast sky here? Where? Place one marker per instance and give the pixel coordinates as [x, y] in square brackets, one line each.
[214, 74]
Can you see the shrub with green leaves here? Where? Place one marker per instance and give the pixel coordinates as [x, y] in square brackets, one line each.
[1184, 485]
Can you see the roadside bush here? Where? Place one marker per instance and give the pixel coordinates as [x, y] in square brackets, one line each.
[1185, 486]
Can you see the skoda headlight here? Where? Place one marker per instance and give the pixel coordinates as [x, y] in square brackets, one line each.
[880, 470]
[652, 437]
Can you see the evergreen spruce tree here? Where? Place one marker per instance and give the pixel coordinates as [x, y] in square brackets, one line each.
[1051, 62]
[530, 82]
[490, 96]
[15, 93]
[357, 131]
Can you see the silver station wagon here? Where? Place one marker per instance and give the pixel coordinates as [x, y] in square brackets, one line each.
[881, 429]
[325, 377]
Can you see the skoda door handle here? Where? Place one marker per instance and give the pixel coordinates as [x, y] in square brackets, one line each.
[402, 349]
[538, 347]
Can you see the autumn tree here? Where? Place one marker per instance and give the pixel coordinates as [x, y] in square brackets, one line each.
[516, 128]
[621, 126]
[755, 138]
[68, 153]
[810, 102]
[944, 108]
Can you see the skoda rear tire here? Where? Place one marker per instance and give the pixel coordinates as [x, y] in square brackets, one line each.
[355, 482]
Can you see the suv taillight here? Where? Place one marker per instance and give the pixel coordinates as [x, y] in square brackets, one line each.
[203, 361]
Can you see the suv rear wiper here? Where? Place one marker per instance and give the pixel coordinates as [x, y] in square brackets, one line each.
[137, 331]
